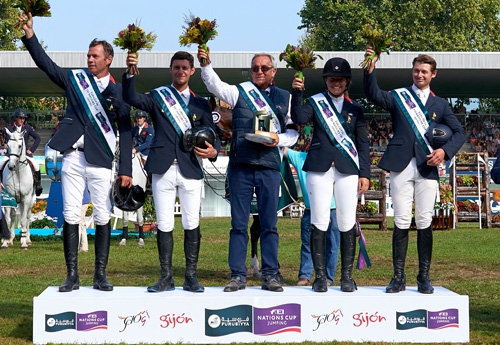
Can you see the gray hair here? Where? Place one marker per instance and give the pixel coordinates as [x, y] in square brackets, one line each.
[273, 61]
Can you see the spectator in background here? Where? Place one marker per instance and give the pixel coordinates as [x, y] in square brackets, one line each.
[473, 138]
[308, 131]
[487, 126]
[297, 159]
[382, 137]
[494, 129]
[493, 145]
[19, 125]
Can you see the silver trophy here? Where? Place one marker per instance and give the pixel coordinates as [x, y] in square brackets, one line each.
[262, 128]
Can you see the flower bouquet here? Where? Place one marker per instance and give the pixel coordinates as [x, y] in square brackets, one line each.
[134, 38]
[37, 8]
[198, 31]
[299, 58]
[379, 40]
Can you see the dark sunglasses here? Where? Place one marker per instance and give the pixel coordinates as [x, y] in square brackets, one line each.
[264, 69]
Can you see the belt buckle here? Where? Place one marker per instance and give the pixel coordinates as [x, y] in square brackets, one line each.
[333, 164]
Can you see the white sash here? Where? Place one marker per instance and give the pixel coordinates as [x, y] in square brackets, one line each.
[95, 106]
[258, 100]
[415, 113]
[335, 127]
[177, 112]
[174, 108]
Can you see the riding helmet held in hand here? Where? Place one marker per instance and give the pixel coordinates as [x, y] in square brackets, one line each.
[196, 137]
[127, 199]
[438, 134]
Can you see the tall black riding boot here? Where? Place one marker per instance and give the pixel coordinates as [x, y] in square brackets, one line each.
[347, 253]
[317, 242]
[191, 251]
[165, 242]
[424, 248]
[399, 248]
[38, 185]
[70, 236]
[102, 241]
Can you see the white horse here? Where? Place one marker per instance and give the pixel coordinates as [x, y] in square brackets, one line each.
[18, 180]
[140, 177]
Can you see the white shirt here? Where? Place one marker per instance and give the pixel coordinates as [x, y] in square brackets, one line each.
[230, 94]
[338, 102]
[185, 94]
[422, 94]
[102, 83]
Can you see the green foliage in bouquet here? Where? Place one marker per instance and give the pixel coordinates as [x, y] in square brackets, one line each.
[299, 58]
[37, 8]
[134, 38]
[197, 31]
[379, 39]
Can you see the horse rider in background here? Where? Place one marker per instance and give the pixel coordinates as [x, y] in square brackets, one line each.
[19, 125]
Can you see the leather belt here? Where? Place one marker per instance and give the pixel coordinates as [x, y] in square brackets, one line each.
[80, 149]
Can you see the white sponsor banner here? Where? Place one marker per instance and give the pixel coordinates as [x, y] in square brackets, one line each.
[131, 315]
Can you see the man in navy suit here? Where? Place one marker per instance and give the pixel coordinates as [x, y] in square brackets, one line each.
[175, 110]
[87, 139]
[413, 159]
[338, 163]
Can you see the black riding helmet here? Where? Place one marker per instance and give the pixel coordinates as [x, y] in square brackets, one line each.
[140, 113]
[196, 138]
[127, 199]
[337, 67]
[20, 112]
[438, 134]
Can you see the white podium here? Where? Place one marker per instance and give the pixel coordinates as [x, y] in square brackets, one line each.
[132, 315]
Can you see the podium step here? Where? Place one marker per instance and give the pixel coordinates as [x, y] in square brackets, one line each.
[131, 315]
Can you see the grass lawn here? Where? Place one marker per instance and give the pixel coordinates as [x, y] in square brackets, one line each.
[465, 260]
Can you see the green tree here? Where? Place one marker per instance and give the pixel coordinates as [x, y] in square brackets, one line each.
[430, 25]
[8, 34]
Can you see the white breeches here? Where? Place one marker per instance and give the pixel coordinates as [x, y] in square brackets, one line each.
[408, 186]
[76, 173]
[165, 187]
[321, 186]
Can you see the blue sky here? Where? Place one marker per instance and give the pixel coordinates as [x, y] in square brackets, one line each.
[242, 25]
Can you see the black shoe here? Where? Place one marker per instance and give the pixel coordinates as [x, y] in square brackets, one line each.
[279, 278]
[71, 283]
[396, 285]
[235, 284]
[165, 283]
[424, 284]
[271, 284]
[101, 283]
[320, 284]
